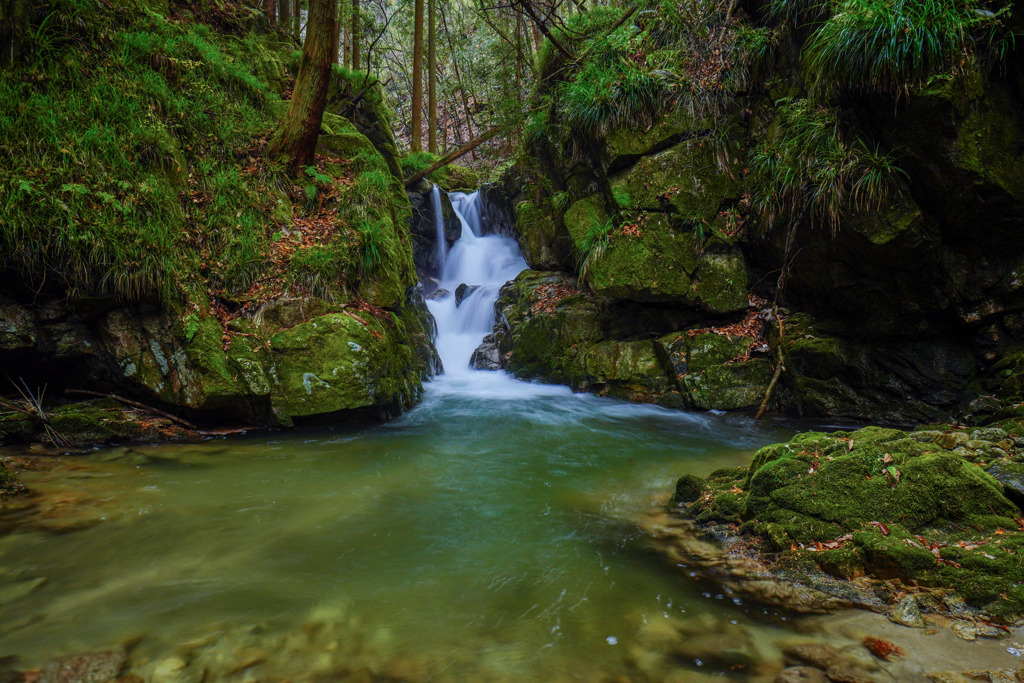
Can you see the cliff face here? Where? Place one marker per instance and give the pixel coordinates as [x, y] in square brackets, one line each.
[150, 249]
[887, 224]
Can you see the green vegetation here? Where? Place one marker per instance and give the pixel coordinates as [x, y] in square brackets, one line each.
[94, 177]
[806, 168]
[889, 46]
[592, 246]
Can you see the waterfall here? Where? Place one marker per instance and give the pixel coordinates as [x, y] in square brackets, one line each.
[442, 242]
[482, 262]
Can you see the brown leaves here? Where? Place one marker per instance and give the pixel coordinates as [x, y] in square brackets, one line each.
[882, 649]
[548, 296]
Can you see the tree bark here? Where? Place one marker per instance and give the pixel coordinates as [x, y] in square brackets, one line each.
[13, 30]
[296, 136]
[271, 10]
[297, 18]
[284, 8]
[465, 149]
[356, 16]
[337, 32]
[431, 78]
[417, 78]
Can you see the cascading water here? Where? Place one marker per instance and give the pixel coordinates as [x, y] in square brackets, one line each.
[442, 242]
[483, 262]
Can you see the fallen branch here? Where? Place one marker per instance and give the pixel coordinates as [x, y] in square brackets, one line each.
[465, 149]
[779, 367]
[135, 404]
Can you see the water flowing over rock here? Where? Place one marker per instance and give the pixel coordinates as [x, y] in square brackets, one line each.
[487, 261]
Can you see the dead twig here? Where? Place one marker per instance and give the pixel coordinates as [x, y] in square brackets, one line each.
[135, 404]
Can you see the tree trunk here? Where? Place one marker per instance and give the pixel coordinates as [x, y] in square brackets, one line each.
[13, 30]
[296, 136]
[271, 10]
[297, 18]
[417, 78]
[337, 32]
[356, 16]
[284, 8]
[431, 78]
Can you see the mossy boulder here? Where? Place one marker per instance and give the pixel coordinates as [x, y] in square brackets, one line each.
[714, 371]
[685, 179]
[623, 369]
[651, 259]
[545, 322]
[344, 362]
[541, 239]
[624, 146]
[879, 502]
[184, 364]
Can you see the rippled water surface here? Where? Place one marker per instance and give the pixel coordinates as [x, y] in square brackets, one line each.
[482, 534]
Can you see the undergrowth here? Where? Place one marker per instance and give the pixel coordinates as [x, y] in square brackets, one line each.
[807, 167]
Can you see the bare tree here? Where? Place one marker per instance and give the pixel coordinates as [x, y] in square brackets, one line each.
[417, 78]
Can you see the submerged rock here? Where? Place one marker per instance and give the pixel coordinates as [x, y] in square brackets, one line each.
[907, 613]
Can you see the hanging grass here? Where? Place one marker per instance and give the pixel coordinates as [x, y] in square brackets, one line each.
[892, 45]
[807, 169]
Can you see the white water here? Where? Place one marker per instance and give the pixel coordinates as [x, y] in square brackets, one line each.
[485, 261]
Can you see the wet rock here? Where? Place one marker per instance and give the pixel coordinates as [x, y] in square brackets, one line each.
[689, 488]
[827, 658]
[438, 295]
[801, 674]
[994, 434]
[486, 356]
[1011, 476]
[966, 630]
[93, 667]
[463, 291]
[907, 613]
[945, 677]
[952, 440]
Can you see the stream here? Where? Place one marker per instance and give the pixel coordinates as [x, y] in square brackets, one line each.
[486, 535]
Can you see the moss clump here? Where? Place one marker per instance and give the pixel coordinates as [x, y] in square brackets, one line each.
[877, 502]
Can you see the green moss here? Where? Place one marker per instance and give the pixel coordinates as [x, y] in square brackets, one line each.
[627, 370]
[684, 179]
[546, 331]
[539, 236]
[82, 423]
[336, 363]
[883, 504]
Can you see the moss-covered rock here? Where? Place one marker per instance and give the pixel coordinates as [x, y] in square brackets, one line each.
[621, 369]
[878, 502]
[343, 362]
[714, 371]
[546, 322]
[685, 179]
[541, 239]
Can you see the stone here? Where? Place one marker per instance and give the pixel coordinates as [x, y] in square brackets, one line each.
[907, 613]
[801, 674]
[689, 488]
[1011, 476]
[438, 295]
[486, 356]
[463, 291]
[967, 630]
[92, 667]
